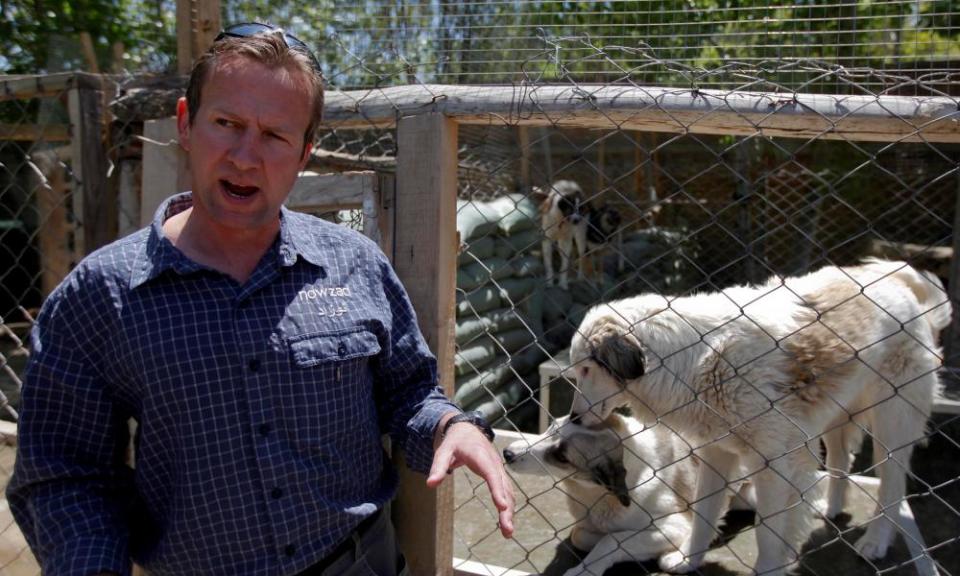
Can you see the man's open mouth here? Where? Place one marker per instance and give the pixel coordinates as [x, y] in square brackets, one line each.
[238, 191]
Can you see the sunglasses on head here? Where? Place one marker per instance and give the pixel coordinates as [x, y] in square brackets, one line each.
[247, 29]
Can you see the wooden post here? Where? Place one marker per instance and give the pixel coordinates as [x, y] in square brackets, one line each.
[383, 208]
[425, 258]
[94, 202]
[524, 140]
[198, 23]
[952, 333]
[52, 189]
[601, 166]
[165, 169]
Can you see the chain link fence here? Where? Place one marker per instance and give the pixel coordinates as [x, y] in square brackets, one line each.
[723, 176]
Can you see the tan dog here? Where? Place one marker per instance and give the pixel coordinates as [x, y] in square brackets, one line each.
[750, 375]
[563, 219]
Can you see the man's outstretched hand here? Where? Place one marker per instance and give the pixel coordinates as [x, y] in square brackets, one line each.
[465, 445]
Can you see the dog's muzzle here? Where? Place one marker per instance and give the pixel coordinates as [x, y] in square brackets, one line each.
[508, 455]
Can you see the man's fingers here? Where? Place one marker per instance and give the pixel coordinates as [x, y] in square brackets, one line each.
[506, 522]
[442, 462]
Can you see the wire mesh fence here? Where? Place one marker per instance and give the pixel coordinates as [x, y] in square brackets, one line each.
[724, 175]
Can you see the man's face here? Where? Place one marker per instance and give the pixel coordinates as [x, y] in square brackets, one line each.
[246, 143]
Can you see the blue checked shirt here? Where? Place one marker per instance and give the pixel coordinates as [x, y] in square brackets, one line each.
[261, 406]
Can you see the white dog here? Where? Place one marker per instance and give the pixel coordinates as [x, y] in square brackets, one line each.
[750, 375]
[627, 487]
[563, 219]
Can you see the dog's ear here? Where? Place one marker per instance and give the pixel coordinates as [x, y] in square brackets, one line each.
[611, 474]
[619, 353]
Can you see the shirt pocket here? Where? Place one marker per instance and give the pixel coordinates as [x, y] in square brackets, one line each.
[328, 347]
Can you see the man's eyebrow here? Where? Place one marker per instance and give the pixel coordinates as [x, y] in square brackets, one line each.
[277, 128]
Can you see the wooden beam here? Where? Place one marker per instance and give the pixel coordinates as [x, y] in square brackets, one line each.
[952, 333]
[334, 191]
[679, 111]
[94, 202]
[386, 213]
[198, 23]
[207, 25]
[35, 132]
[54, 231]
[44, 86]
[184, 36]
[425, 258]
[89, 53]
[523, 136]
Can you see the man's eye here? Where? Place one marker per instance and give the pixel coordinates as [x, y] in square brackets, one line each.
[223, 122]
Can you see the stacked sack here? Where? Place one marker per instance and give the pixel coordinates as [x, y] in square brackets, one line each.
[654, 260]
[499, 309]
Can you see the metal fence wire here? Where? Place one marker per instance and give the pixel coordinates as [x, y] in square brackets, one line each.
[723, 177]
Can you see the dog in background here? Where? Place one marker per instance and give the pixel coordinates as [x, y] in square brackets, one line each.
[604, 233]
[748, 375]
[564, 214]
[627, 487]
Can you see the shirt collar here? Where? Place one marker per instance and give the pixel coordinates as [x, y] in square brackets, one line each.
[160, 255]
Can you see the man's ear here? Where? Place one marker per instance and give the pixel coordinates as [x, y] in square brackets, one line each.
[183, 123]
[611, 474]
[307, 149]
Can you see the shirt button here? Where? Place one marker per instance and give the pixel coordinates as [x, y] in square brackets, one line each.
[254, 364]
[289, 550]
[276, 493]
[265, 429]
[342, 349]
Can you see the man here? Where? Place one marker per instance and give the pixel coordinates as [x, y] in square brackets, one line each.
[263, 352]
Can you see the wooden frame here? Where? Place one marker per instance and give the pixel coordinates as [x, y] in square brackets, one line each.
[678, 111]
[412, 213]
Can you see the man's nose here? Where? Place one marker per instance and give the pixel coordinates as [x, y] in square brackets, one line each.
[245, 153]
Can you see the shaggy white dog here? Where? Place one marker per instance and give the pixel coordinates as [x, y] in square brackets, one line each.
[627, 488]
[751, 375]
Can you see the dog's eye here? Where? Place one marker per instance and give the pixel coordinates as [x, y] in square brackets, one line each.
[559, 457]
[584, 371]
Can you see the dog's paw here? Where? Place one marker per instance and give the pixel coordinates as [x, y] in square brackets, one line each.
[678, 563]
[873, 545]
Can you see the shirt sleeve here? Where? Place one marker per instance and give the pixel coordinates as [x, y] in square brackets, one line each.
[412, 402]
[67, 490]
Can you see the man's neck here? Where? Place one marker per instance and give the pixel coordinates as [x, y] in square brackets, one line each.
[231, 251]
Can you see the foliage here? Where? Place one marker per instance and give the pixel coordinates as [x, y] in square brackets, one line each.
[38, 36]
[377, 42]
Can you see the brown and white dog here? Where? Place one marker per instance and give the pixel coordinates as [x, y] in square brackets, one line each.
[750, 375]
[564, 214]
[627, 487]
[604, 233]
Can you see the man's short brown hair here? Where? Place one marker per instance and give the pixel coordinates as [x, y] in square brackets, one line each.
[269, 49]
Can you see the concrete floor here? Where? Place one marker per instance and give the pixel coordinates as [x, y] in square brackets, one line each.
[541, 544]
